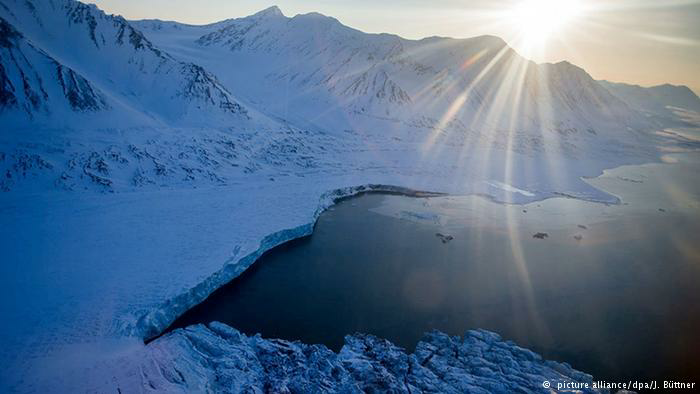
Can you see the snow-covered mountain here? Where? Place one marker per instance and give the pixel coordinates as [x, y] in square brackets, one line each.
[88, 102]
[663, 103]
[309, 92]
[312, 67]
[22, 83]
[101, 64]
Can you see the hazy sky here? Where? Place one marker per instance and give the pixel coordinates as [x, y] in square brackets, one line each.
[645, 42]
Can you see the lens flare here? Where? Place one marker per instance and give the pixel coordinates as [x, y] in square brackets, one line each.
[538, 20]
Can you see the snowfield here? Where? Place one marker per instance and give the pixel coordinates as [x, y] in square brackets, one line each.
[144, 164]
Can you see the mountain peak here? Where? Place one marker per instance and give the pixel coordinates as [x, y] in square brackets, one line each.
[272, 11]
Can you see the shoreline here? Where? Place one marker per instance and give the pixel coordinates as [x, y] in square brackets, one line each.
[155, 324]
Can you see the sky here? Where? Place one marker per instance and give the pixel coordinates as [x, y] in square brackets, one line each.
[643, 42]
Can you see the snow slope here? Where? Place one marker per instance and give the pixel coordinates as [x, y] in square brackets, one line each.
[68, 90]
[144, 164]
[115, 58]
[663, 103]
[312, 68]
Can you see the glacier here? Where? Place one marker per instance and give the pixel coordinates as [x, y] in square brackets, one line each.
[143, 164]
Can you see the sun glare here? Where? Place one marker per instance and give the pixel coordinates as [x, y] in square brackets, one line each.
[538, 20]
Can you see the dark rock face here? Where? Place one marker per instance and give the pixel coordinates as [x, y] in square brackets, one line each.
[80, 13]
[540, 235]
[8, 38]
[7, 97]
[20, 60]
[8, 34]
[222, 359]
[200, 84]
[80, 94]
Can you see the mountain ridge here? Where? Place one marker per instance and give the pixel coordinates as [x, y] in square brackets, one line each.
[378, 85]
[307, 88]
[665, 104]
[119, 60]
[341, 59]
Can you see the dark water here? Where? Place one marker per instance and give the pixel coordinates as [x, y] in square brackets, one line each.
[622, 303]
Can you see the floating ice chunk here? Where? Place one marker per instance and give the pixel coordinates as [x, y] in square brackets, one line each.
[510, 188]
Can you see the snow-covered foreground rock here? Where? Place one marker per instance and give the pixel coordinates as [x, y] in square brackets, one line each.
[144, 164]
[218, 358]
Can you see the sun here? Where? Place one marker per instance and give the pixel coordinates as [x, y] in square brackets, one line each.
[536, 21]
